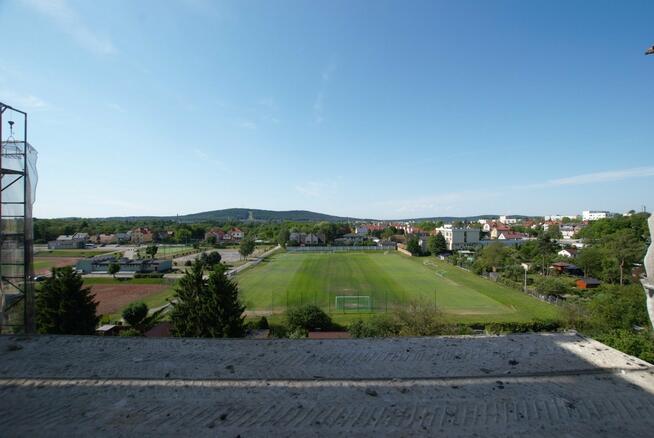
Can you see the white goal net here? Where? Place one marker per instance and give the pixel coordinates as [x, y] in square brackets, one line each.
[353, 303]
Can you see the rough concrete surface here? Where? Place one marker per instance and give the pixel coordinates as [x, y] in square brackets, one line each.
[537, 385]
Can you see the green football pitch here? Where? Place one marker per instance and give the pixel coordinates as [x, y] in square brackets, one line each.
[383, 282]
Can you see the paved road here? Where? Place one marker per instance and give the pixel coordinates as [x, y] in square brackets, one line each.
[227, 256]
[536, 385]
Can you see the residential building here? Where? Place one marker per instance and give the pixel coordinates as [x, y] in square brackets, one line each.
[568, 252]
[217, 233]
[106, 238]
[141, 235]
[361, 229]
[123, 237]
[74, 241]
[590, 215]
[235, 234]
[459, 238]
[508, 220]
[559, 217]
[497, 228]
[569, 231]
[508, 235]
[588, 283]
[305, 238]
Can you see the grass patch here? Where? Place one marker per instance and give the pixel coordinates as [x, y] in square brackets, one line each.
[391, 280]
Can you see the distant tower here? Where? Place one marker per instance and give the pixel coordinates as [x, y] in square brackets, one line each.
[19, 178]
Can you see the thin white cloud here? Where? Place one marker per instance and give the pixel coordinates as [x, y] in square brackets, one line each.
[66, 18]
[598, 177]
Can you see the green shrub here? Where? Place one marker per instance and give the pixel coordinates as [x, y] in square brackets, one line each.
[522, 327]
[376, 326]
[639, 344]
[130, 332]
[308, 317]
[553, 286]
[135, 313]
[298, 334]
[419, 319]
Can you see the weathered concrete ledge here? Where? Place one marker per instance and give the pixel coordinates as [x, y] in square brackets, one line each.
[536, 384]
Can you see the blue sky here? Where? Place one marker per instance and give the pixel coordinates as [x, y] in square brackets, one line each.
[367, 109]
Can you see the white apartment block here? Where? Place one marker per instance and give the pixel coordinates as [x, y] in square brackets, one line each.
[590, 215]
[508, 220]
[559, 217]
[459, 238]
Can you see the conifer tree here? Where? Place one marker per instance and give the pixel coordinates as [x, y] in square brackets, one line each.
[207, 308]
[64, 306]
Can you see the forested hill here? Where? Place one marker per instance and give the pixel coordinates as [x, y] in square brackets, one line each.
[245, 214]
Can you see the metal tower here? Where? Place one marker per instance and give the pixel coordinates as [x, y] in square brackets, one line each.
[17, 167]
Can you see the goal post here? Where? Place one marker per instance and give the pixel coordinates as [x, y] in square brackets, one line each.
[353, 303]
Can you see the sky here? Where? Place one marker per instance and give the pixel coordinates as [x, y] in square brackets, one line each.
[363, 109]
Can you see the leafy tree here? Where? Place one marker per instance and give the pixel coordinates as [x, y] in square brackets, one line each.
[136, 315]
[307, 317]
[388, 232]
[492, 257]
[151, 250]
[211, 259]
[183, 235]
[615, 307]
[211, 240]
[546, 250]
[113, 268]
[554, 232]
[552, 286]
[437, 244]
[589, 260]
[64, 306]
[514, 272]
[246, 247]
[625, 248]
[206, 308]
[283, 236]
[413, 246]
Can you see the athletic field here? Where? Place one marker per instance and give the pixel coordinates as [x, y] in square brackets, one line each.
[379, 282]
